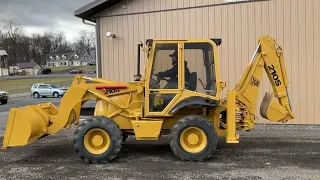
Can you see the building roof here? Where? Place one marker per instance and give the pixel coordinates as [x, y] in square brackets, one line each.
[3, 53]
[80, 57]
[26, 65]
[59, 57]
[87, 11]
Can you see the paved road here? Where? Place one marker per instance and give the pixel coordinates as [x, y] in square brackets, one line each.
[58, 75]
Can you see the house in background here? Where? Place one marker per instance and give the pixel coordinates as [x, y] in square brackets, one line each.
[80, 60]
[4, 71]
[69, 59]
[29, 68]
[60, 60]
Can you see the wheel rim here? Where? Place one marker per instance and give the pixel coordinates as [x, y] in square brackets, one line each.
[193, 140]
[96, 141]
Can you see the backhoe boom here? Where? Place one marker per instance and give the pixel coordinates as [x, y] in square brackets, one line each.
[241, 102]
[269, 56]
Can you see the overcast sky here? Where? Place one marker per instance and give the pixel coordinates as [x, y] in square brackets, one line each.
[45, 15]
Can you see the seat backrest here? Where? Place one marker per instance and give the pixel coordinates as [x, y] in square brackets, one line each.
[193, 81]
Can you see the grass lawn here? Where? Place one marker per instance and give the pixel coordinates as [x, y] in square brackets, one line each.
[57, 69]
[87, 68]
[69, 68]
[15, 86]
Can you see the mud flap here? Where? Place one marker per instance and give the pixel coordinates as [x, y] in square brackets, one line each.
[272, 110]
[27, 124]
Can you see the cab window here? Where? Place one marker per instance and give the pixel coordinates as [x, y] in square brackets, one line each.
[200, 61]
[164, 74]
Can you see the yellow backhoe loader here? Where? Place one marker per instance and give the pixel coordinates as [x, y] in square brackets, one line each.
[179, 95]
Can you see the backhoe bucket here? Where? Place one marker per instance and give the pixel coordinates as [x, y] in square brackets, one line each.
[272, 110]
[27, 124]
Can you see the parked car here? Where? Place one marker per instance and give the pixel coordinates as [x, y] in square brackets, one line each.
[4, 96]
[44, 90]
[76, 71]
[92, 72]
[92, 63]
[44, 71]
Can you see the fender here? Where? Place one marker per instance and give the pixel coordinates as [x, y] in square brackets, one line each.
[194, 102]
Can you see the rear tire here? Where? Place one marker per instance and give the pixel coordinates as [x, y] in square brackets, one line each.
[56, 94]
[98, 140]
[4, 101]
[193, 138]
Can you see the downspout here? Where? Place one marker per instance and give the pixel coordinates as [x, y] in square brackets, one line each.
[97, 44]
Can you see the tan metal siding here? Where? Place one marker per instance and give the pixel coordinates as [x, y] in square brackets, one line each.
[137, 6]
[293, 23]
[294, 59]
[316, 59]
[310, 62]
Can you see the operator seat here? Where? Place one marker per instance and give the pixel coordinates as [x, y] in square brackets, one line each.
[193, 81]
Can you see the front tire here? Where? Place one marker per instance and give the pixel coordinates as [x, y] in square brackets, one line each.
[36, 95]
[98, 140]
[193, 138]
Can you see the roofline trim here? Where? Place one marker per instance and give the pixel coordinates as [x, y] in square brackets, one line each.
[185, 8]
[88, 11]
[87, 7]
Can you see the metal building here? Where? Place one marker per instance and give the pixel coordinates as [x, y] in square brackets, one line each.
[295, 25]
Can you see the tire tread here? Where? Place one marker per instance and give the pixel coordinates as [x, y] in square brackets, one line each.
[200, 122]
[98, 122]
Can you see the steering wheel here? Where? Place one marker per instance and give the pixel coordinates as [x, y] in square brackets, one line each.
[160, 78]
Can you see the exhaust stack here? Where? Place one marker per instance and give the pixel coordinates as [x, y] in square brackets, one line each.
[137, 77]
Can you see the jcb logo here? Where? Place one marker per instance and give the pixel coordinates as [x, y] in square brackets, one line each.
[255, 82]
[274, 75]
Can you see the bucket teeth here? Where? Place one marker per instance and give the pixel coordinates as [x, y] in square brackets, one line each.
[265, 104]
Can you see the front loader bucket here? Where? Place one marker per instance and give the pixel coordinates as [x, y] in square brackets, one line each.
[27, 124]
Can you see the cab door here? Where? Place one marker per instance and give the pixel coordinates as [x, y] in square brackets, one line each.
[44, 90]
[163, 85]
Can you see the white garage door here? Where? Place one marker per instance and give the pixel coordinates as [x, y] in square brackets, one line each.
[5, 72]
[36, 71]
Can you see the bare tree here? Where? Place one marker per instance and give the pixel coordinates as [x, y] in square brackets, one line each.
[37, 47]
[85, 43]
[11, 36]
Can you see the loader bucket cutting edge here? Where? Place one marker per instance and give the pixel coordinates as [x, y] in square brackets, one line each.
[27, 124]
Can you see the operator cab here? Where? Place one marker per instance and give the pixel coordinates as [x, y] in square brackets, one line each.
[177, 65]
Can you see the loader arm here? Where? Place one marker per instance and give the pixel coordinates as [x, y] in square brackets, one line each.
[30, 123]
[268, 56]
